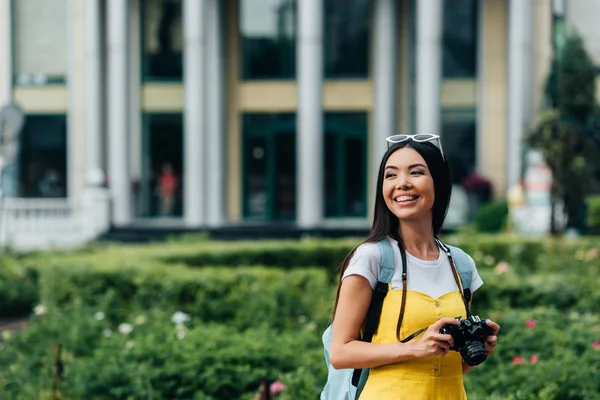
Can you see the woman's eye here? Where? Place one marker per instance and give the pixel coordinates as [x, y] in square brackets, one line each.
[418, 173]
[389, 176]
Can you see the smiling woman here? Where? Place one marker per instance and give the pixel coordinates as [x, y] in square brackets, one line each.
[409, 353]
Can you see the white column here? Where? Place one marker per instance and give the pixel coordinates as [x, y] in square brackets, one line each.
[141, 198]
[519, 81]
[93, 86]
[6, 37]
[429, 65]
[309, 188]
[194, 112]
[118, 112]
[215, 116]
[480, 134]
[384, 56]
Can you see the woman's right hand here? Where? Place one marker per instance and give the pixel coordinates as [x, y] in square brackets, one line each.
[432, 342]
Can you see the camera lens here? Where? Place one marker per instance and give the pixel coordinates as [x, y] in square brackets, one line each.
[473, 353]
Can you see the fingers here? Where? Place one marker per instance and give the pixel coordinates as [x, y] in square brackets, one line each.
[492, 340]
[445, 339]
[489, 349]
[495, 327]
[443, 348]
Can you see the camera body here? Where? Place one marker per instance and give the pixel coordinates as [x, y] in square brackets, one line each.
[469, 337]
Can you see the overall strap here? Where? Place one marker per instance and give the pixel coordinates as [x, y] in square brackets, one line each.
[386, 272]
[461, 261]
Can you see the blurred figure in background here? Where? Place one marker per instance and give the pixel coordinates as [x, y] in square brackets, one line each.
[167, 189]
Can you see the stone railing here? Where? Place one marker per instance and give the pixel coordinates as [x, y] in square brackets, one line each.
[39, 224]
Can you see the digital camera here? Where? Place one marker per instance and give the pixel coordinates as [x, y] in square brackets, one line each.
[469, 338]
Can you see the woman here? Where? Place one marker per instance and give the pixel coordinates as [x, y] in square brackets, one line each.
[413, 192]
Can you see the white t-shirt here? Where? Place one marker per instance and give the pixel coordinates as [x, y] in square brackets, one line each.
[433, 278]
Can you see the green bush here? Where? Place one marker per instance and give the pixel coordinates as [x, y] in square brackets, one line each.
[250, 322]
[154, 360]
[241, 297]
[18, 288]
[527, 254]
[491, 217]
[542, 354]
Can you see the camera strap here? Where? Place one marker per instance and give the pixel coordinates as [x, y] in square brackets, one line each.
[465, 294]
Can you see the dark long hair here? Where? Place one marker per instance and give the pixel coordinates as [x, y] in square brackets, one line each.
[385, 223]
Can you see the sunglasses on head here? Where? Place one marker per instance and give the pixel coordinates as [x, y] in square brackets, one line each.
[421, 138]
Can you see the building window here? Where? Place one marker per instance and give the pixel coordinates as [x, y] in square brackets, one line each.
[162, 40]
[346, 31]
[160, 190]
[44, 156]
[345, 164]
[269, 165]
[268, 39]
[460, 141]
[40, 41]
[460, 38]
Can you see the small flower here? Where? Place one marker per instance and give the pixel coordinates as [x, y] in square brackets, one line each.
[592, 254]
[129, 345]
[596, 345]
[107, 333]
[39, 310]
[502, 267]
[99, 315]
[517, 360]
[181, 334]
[534, 358]
[276, 387]
[180, 318]
[140, 319]
[488, 260]
[531, 324]
[125, 329]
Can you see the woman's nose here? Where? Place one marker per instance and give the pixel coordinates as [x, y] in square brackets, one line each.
[403, 182]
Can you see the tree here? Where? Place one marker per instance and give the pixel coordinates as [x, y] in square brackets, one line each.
[564, 131]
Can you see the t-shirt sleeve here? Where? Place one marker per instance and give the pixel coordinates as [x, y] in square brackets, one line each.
[365, 262]
[476, 281]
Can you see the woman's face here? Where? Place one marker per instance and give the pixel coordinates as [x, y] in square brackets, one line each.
[408, 187]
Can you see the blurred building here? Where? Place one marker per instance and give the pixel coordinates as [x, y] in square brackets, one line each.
[213, 113]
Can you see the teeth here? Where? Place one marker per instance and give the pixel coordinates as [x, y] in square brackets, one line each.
[405, 198]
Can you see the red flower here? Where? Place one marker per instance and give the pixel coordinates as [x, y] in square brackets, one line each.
[517, 360]
[534, 358]
[531, 324]
[596, 344]
[277, 387]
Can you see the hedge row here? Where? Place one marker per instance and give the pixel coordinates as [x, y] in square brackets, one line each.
[279, 298]
[526, 254]
[544, 354]
[240, 297]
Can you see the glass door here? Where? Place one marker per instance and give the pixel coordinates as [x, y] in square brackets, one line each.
[269, 167]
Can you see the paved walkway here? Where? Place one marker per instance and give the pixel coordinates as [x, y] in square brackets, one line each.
[12, 324]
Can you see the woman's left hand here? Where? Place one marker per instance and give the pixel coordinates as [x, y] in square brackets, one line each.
[492, 340]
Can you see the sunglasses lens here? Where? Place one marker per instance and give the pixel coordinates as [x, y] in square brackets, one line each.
[397, 138]
[424, 136]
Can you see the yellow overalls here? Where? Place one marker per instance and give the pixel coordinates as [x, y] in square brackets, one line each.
[430, 378]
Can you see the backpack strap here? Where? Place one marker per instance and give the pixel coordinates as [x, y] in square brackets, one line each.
[386, 272]
[465, 269]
